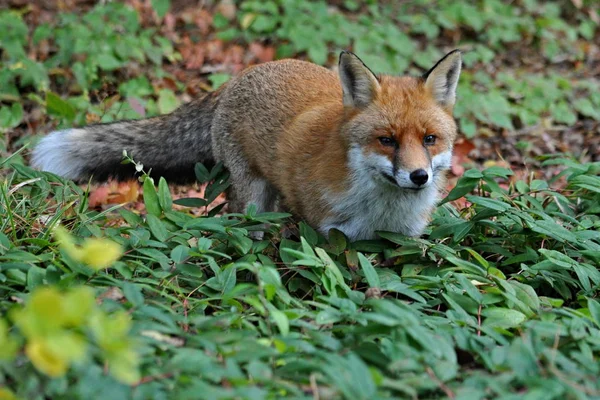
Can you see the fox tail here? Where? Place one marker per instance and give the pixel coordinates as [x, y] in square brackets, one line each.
[170, 145]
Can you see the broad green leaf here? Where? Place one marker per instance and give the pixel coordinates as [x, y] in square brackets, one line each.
[464, 185]
[369, 271]
[594, 307]
[59, 107]
[190, 202]
[157, 227]
[151, 198]
[133, 293]
[161, 7]
[164, 195]
[497, 317]
[167, 101]
[280, 319]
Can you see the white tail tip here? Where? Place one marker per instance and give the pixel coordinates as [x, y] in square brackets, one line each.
[57, 153]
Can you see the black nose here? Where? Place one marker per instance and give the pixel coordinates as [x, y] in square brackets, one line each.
[419, 177]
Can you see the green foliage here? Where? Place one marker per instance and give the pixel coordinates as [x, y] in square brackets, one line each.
[389, 38]
[497, 300]
[64, 331]
[96, 49]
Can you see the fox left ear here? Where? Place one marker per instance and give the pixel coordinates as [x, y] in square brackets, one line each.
[441, 80]
[359, 83]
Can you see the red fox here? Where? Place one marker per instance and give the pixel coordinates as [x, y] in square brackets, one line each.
[353, 151]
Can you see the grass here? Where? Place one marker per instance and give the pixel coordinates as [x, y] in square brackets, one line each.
[499, 299]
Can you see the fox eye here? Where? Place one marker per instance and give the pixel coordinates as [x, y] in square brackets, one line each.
[429, 140]
[387, 141]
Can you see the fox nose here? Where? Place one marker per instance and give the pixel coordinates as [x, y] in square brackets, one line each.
[419, 177]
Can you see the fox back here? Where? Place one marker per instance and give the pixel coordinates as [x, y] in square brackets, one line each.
[355, 152]
[352, 151]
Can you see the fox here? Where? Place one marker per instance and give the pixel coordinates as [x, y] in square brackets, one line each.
[349, 150]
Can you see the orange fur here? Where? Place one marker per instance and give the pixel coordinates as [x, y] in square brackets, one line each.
[344, 150]
[310, 156]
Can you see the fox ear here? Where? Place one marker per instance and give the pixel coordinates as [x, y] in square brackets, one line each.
[441, 80]
[359, 84]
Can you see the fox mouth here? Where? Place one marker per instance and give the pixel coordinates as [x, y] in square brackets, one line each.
[394, 182]
[390, 178]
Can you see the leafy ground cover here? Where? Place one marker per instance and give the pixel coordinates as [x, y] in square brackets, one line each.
[156, 300]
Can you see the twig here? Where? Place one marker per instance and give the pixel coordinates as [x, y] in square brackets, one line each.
[147, 379]
[20, 185]
[314, 387]
[441, 384]
[479, 321]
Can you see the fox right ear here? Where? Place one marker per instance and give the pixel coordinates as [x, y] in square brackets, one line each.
[359, 84]
[442, 79]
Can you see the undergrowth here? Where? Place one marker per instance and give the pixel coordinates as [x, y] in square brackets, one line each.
[499, 299]
[496, 299]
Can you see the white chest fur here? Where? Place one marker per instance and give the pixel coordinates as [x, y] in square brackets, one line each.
[367, 208]
[371, 204]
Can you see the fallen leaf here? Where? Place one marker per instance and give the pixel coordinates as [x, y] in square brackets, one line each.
[227, 9]
[137, 106]
[114, 193]
[261, 52]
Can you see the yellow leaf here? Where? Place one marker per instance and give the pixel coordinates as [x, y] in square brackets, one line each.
[43, 313]
[247, 20]
[66, 242]
[78, 305]
[109, 330]
[46, 300]
[17, 65]
[8, 345]
[6, 394]
[68, 346]
[96, 253]
[100, 253]
[44, 359]
[123, 366]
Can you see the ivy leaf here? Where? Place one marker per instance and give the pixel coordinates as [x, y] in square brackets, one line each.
[59, 107]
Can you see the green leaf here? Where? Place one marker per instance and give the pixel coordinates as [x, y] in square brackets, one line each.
[202, 174]
[280, 319]
[369, 271]
[164, 195]
[562, 112]
[218, 79]
[10, 117]
[504, 318]
[35, 277]
[526, 294]
[190, 202]
[206, 224]
[57, 106]
[241, 243]
[107, 61]
[594, 307]
[133, 293]
[308, 233]
[463, 186]
[486, 202]
[496, 171]
[559, 259]
[337, 240]
[469, 288]
[151, 198]
[180, 253]
[586, 108]
[167, 101]
[157, 227]
[161, 7]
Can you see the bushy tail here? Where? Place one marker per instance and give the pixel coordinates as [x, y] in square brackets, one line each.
[169, 144]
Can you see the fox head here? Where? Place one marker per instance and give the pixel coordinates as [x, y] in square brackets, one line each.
[400, 130]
